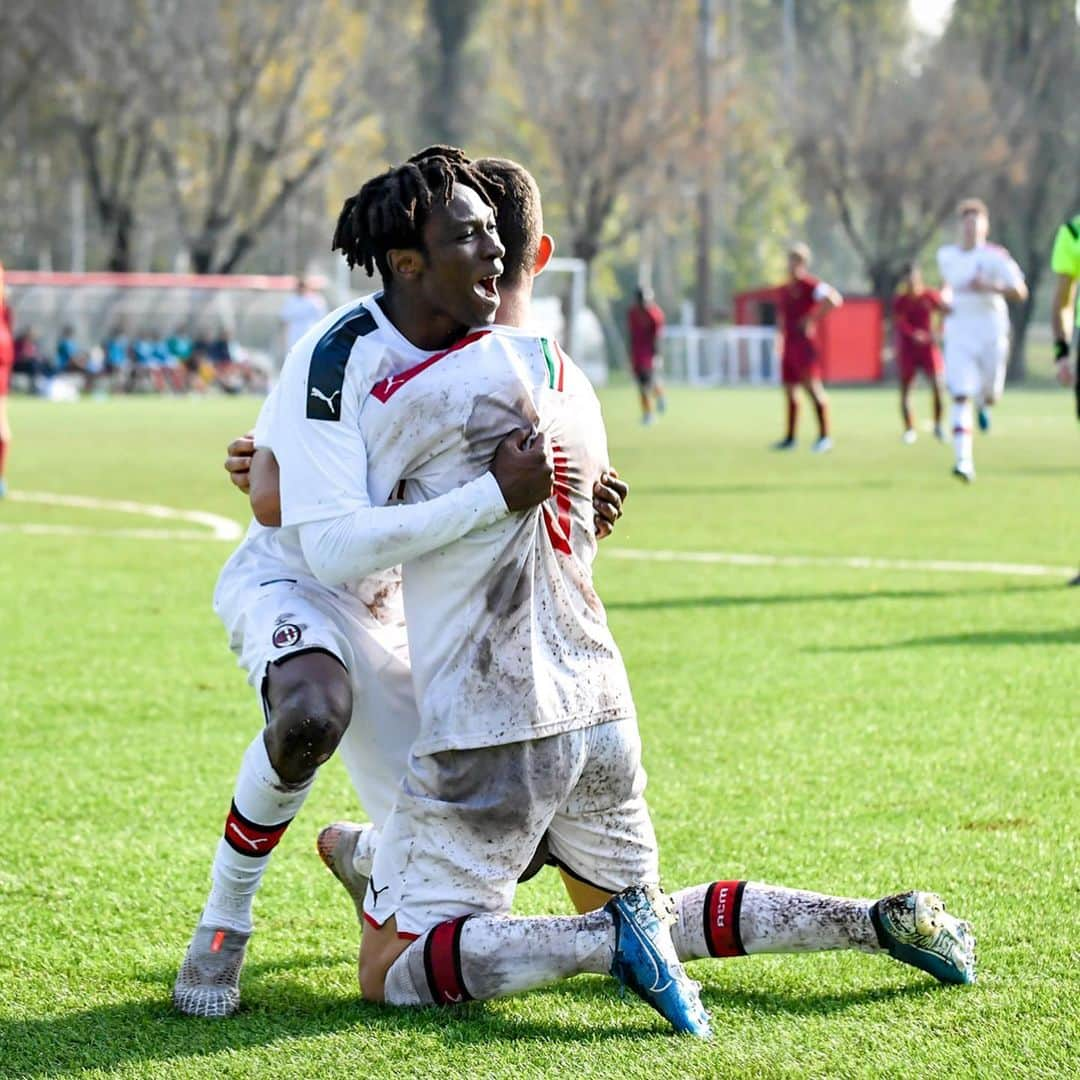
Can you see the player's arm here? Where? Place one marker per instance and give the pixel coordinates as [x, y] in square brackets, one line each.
[943, 300]
[826, 299]
[374, 538]
[1061, 314]
[1065, 262]
[1014, 288]
[1015, 291]
[264, 491]
[257, 473]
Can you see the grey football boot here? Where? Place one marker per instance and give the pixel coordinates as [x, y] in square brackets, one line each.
[337, 846]
[208, 984]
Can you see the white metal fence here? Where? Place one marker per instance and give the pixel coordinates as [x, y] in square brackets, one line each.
[725, 355]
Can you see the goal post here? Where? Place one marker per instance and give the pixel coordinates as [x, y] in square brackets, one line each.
[559, 310]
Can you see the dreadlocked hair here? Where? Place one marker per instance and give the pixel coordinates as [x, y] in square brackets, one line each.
[390, 210]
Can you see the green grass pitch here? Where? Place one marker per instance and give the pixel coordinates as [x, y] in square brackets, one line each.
[853, 730]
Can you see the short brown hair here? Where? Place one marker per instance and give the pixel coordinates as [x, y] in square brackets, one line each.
[516, 198]
[971, 206]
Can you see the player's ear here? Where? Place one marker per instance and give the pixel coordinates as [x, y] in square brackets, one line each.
[543, 254]
[405, 263]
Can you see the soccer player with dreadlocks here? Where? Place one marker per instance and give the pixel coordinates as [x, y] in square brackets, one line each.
[318, 657]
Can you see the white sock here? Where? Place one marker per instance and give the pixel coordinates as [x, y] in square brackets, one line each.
[961, 426]
[262, 807]
[774, 919]
[487, 956]
[732, 918]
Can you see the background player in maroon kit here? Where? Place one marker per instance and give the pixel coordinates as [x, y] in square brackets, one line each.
[645, 321]
[7, 359]
[800, 303]
[913, 312]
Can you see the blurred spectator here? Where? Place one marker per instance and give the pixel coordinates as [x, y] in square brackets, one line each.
[148, 352]
[72, 360]
[182, 350]
[299, 313]
[230, 372]
[68, 357]
[31, 362]
[117, 353]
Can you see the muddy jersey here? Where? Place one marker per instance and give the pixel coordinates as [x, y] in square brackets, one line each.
[975, 311]
[508, 638]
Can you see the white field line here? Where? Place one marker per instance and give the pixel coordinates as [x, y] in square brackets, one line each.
[221, 528]
[853, 562]
[29, 528]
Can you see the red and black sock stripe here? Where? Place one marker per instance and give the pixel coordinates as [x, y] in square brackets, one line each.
[723, 902]
[247, 837]
[442, 963]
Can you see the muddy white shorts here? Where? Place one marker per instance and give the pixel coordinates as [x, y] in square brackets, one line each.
[285, 618]
[467, 823]
[975, 362]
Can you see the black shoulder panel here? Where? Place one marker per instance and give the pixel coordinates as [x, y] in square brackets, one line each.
[329, 358]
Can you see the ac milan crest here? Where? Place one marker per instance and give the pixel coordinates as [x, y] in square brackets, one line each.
[286, 635]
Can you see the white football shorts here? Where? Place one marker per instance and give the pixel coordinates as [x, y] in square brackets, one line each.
[467, 823]
[975, 362]
[287, 617]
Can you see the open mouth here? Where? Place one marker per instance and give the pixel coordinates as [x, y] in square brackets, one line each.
[487, 288]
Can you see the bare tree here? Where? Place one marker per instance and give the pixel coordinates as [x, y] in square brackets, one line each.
[93, 94]
[892, 145]
[1029, 54]
[443, 117]
[22, 51]
[266, 93]
[607, 85]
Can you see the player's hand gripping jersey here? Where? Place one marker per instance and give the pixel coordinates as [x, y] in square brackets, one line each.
[508, 637]
[311, 422]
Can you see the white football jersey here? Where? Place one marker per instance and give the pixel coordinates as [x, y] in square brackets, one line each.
[508, 638]
[971, 309]
[310, 422]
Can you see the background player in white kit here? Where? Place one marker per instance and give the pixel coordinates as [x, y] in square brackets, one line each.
[980, 278]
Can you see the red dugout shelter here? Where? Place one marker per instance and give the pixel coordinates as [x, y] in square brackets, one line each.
[851, 337]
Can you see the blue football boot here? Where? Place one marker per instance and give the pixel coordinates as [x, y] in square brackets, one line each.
[646, 962]
[915, 928]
